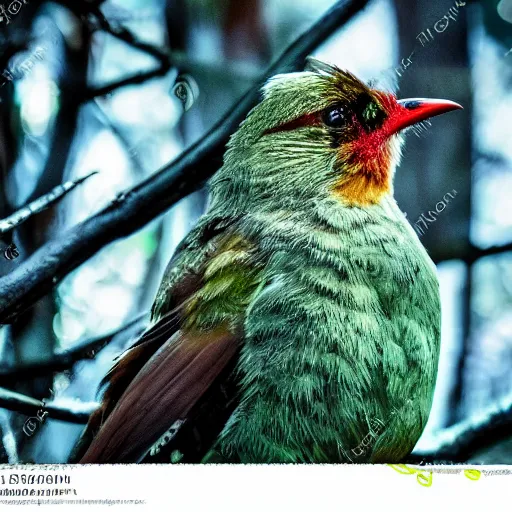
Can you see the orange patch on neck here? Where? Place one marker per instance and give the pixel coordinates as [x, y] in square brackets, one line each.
[366, 169]
[361, 190]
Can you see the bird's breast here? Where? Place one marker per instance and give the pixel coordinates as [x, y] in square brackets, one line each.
[346, 331]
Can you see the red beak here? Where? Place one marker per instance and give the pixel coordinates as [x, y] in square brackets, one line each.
[412, 111]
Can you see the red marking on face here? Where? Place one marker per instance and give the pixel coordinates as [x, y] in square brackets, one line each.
[313, 119]
[369, 152]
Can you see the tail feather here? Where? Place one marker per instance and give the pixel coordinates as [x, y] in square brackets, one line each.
[124, 370]
[164, 391]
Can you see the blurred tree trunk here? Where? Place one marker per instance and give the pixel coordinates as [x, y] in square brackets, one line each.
[32, 334]
[440, 161]
[11, 137]
[238, 30]
[245, 35]
[9, 146]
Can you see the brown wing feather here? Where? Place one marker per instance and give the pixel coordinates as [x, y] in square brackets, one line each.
[131, 362]
[122, 373]
[164, 391]
[164, 375]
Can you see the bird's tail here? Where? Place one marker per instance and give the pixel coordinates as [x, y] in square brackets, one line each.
[123, 371]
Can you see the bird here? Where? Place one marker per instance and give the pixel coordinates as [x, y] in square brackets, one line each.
[299, 319]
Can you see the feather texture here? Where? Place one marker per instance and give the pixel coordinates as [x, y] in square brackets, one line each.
[160, 379]
[163, 392]
[297, 322]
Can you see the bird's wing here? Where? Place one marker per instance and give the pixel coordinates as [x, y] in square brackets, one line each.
[207, 295]
[123, 371]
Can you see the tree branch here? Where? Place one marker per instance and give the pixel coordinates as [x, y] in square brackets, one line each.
[469, 439]
[94, 92]
[470, 255]
[152, 197]
[79, 412]
[65, 360]
[20, 216]
[83, 9]
[123, 34]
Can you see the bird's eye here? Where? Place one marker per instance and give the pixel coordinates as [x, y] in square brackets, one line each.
[335, 117]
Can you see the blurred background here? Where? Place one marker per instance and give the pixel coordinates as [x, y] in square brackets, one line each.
[455, 181]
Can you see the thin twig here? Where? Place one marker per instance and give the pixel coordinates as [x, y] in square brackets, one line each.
[20, 216]
[65, 360]
[136, 207]
[470, 255]
[84, 9]
[123, 34]
[138, 78]
[470, 439]
[78, 413]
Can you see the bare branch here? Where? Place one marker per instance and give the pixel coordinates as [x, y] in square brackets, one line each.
[38, 205]
[132, 210]
[78, 412]
[85, 9]
[137, 78]
[125, 35]
[65, 360]
[469, 255]
[470, 439]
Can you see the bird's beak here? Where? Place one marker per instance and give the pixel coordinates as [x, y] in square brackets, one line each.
[415, 110]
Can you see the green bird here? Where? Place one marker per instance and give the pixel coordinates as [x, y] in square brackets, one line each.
[299, 320]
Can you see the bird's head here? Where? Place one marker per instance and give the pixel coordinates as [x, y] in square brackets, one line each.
[321, 133]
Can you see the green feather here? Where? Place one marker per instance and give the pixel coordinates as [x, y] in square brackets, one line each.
[341, 316]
